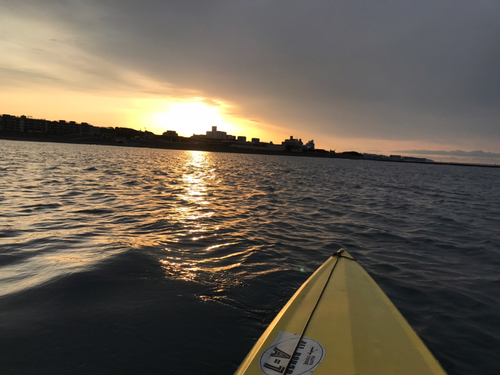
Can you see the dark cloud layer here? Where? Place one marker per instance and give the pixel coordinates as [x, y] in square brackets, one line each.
[406, 70]
[476, 154]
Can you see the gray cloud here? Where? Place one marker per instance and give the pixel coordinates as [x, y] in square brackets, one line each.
[475, 154]
[14, 76]
[401, 70]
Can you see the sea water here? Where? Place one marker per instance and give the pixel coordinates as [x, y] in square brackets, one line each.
[134, 260]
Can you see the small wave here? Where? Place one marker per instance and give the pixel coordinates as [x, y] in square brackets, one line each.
[10, 233]
[42, 206]
[95, 211]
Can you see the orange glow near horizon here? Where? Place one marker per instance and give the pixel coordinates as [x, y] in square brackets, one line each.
[120, 110]
[186, 116]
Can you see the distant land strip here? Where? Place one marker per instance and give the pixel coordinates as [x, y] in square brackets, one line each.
[25, 128]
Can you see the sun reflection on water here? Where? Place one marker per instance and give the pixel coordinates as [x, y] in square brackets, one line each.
[198, 174]
[193, 211]
[191, 270]
[197, 246]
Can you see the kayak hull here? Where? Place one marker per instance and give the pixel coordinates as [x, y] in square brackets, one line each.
[340, 322]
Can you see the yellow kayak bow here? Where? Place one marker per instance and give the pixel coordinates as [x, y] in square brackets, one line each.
[340, 323]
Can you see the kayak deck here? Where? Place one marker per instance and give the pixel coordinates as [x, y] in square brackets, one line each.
[340, 322]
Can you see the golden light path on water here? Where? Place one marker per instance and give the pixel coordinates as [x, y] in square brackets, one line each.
[198, 182]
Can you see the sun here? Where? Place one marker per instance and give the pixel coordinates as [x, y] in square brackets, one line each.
[189, 118]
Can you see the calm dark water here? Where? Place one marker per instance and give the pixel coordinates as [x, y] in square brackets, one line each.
[122, 260]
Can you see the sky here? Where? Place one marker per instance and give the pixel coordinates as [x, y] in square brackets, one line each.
[372, 76]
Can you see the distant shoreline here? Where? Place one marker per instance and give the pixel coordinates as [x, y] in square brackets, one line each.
[211, 147]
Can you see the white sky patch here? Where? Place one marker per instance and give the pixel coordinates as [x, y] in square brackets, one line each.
[36, 51]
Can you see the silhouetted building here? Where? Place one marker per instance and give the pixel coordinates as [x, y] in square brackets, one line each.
[10, 123]
[170, 136]
[31, 125]
[294, 145]
[310, 145]
[27, 124]
[215, 134]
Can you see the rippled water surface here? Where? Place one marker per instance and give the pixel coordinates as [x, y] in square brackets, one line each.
[125, 260]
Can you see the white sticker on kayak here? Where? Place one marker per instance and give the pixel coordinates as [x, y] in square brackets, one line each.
[307, 357]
